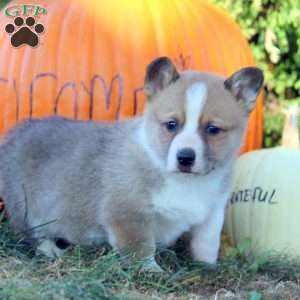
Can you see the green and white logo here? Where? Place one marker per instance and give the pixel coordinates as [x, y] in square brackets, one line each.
[24, 30]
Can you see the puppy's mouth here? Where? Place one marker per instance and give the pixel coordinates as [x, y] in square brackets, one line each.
[184, 170]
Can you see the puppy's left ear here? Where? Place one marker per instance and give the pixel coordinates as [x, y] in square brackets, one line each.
[245, 85]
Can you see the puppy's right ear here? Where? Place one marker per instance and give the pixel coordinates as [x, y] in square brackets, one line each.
[160, 73]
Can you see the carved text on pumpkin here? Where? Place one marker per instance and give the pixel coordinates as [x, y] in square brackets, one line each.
[256, 194]
[89, 89]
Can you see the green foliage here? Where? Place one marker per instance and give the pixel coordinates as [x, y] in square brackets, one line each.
[272, 28]
[255, 296]
[273, 129]
[243, 251]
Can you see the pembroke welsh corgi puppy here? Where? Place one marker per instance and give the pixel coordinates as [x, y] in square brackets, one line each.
[135, 184]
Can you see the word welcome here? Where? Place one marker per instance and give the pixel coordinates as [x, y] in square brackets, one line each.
[87, 89]
[253, 195]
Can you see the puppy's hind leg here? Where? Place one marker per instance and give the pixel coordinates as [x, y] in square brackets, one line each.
[134, 237]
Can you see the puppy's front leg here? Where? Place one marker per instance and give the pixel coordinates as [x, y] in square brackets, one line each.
[205, 241]
[134, 236]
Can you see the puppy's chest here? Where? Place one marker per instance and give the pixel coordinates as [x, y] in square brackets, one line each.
[180, 205]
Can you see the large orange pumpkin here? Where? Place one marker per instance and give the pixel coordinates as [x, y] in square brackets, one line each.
[92, 56]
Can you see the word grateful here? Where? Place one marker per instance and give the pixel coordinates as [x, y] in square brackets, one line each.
[253, 195]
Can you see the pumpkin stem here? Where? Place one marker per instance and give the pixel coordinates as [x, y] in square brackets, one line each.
[290, 135]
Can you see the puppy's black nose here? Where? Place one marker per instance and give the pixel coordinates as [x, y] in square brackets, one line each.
[186, 157]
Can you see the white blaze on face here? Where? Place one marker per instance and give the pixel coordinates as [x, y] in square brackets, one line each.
[196, 96]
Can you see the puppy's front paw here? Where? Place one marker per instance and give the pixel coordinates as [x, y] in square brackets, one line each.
[205, 252]
[208, 256]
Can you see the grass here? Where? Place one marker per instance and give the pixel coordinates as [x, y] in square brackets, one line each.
[88, 273]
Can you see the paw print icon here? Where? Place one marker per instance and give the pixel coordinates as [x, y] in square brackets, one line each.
[24, 32]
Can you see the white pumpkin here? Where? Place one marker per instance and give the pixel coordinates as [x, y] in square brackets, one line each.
[265, 203]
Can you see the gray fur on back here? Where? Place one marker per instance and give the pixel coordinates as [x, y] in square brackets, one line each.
[56, 175]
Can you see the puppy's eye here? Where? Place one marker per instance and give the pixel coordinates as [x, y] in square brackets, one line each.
[212, 130]
[172, 125]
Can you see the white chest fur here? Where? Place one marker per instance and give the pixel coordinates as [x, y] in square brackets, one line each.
[185, 201]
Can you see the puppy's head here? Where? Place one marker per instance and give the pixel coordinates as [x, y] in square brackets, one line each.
[195, 122]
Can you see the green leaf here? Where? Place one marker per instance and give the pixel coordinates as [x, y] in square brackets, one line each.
[254, 295]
